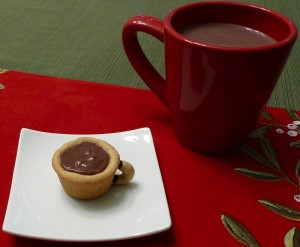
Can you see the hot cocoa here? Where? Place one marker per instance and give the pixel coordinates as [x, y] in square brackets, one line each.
[225, 34]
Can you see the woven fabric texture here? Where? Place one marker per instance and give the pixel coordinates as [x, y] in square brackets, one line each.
[82, 40]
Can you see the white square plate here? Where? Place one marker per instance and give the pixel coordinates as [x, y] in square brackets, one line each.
[39, 208]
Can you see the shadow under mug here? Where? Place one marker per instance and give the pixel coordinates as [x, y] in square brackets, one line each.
[215, 94]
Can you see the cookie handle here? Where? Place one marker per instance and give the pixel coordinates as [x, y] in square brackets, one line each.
[127, 173]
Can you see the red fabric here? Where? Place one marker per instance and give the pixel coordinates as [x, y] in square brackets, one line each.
[199, 188]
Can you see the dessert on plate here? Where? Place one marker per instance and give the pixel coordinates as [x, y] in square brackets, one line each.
[86, 167]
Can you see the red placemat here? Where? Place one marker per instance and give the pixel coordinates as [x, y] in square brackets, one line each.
[200, 189]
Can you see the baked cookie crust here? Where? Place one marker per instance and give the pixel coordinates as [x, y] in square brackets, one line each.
[86, 187]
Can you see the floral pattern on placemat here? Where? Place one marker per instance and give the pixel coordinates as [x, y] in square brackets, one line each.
[266, 155]
[2, 86]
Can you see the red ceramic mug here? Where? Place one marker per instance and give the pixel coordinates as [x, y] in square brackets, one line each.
[215, 92]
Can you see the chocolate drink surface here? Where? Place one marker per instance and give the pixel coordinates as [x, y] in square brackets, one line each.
[225, 34]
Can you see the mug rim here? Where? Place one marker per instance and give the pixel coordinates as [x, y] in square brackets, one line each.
[284, 19]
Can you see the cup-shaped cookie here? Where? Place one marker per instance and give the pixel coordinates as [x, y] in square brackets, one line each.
[86, 167]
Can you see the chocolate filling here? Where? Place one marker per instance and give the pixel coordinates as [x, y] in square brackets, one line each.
[85, 158]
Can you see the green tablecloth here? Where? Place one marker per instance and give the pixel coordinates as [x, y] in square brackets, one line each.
[82, 40]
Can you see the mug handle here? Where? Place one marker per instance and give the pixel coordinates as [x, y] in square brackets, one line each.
[152, 26]
[127, 173]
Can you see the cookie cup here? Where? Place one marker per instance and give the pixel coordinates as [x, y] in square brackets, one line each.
[86, 187]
